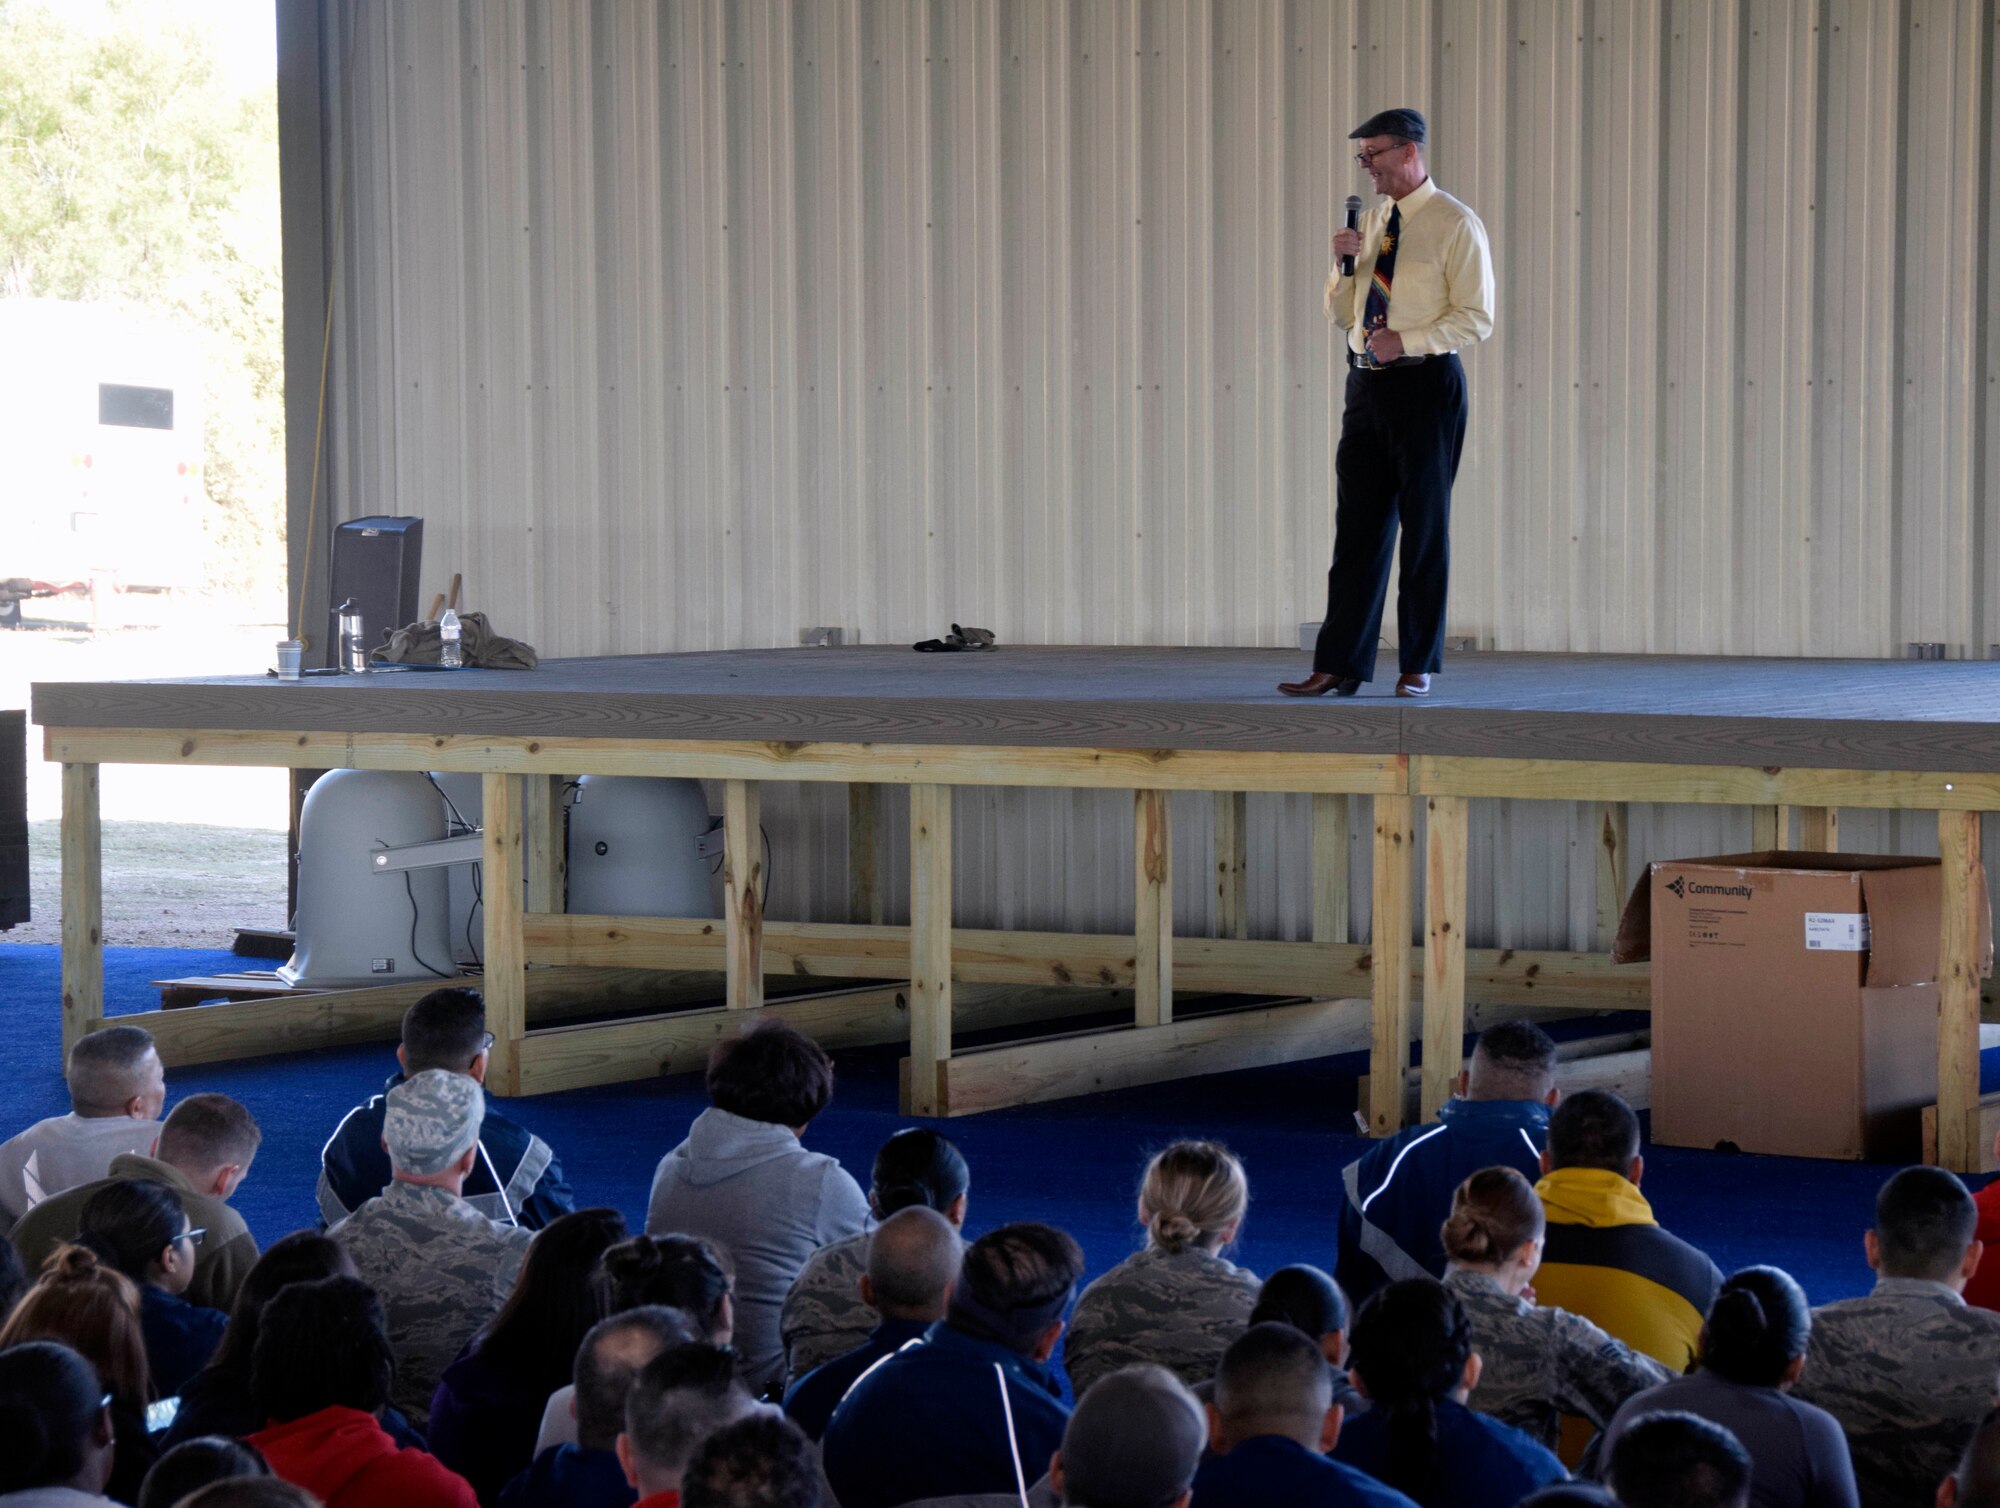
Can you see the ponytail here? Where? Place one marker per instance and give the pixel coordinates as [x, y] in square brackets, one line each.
[1410, 1344]
[1757, 1327]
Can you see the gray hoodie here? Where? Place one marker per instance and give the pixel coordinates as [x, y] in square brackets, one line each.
[752, 1189]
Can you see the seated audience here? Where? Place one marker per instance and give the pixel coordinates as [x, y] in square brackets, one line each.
[217, 1400]
[116, 1091]
[823, 1314]
[515, 1178]
[13, 1279]
[1910, 1370]
[1177, 1302]
[912, 1263]
[251, 1492]
[1412, 1352]
[1398, 1194]
[674, 1272]
[55, 1432]
[1752, 1351]
[441, 1268]
[205, 1150]
[757, 1462]
[1605, 1257]
[1308, 1300]
[81, 1303]
[138, 1227]
[677, 1401]
[1536, 1364]
[489, 1402]
[743, 1180]
[589, 1474]
[1679, 1461]
[321, 1375]
[1270, 1424]
[1135, 1441]
[193, 1464]
[953, 1412]
[1976, 1482]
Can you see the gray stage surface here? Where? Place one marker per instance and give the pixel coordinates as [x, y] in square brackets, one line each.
[1835, 714]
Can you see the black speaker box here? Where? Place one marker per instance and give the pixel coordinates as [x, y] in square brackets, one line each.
[376, 561]
[13, 818]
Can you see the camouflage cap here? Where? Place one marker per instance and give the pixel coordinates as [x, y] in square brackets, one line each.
[432, 1118]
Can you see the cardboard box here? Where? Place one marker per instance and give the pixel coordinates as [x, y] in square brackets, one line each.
[1794, 1000]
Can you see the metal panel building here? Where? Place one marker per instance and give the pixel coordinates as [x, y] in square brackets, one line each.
[687, 324]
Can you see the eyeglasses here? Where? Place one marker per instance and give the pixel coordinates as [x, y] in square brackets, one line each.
[1367, 159]
[485, 1043]
[193, 1237]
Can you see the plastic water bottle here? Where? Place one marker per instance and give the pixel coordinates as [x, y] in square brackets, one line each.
[451, 641]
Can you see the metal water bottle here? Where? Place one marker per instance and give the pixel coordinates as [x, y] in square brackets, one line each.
[353, 644]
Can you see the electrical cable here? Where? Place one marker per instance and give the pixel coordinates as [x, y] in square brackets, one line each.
[411, 891]
[478, 905]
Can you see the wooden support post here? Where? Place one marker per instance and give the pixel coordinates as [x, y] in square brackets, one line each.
[930, 948]
[1770, 828]
[1331, 830]
[1613, 876]
[548, 861]
[1232, 864]
[505, 984]
[743, 894]
[1445, 843]
[1153, 865]
[1819, 829]
[1389, 974]
[864, 855]
[82, 906]
[1958, 992]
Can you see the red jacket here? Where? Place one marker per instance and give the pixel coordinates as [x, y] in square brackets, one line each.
[1983, 1292]
[346, 1459]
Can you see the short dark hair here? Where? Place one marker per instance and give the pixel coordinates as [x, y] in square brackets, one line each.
[1570, 1495]
[444, 1030]
[207, 1131]
[1924, 1221]
[1593, 1128]
[763, 1461]
[1015, 1282]
[104, 1066]
[321, 1344]
[1677, 1460]
[194, 1464]
[251, 1492]
[48, 1407]
[1303, 1297]
[773, 1073]
[129, 1222]
[1273, 1370]
[679, 1398]
[605, 1370]
[1519, 1051]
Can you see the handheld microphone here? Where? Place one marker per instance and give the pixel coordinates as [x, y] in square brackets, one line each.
[1353, 223]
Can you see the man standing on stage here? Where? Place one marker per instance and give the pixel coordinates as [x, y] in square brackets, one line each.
[1421, 290]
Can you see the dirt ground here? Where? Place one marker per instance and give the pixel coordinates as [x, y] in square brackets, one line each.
[190, 855]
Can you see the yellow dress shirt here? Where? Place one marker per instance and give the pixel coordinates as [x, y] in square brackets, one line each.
[1441, 297]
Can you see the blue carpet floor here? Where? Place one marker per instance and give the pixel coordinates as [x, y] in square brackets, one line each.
[1074, 1163]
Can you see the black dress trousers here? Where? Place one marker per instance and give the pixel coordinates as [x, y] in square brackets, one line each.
[1400, 440]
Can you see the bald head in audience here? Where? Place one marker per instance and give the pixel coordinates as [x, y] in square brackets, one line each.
[1274, 1381]
[913, 1261]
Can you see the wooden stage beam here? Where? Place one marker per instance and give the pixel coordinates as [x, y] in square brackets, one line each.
[1153, 880]
[1232, 864]
[505, 965]
[1395, 843]
[1445, 844]
[1701, 785]
[743, 893]
[1960, 958]
[82, 906]
[929, 952]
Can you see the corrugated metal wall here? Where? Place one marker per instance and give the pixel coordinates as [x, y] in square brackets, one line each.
[688, 324]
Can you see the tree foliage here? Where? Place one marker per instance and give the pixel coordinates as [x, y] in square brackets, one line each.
[130, 174]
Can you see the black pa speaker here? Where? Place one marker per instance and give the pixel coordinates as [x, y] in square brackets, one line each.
[376, 561]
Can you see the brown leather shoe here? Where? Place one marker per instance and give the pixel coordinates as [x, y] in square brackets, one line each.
[1319, 683]
[1413, 685]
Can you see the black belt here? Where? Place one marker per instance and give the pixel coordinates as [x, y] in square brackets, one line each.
[1355, 363]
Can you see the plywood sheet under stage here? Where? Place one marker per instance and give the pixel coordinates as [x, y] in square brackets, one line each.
[1844, 714]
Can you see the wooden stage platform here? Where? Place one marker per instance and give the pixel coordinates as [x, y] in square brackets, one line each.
[1817, 735]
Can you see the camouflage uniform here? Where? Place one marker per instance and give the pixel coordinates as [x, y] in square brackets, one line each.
[441, 1268]
[1179, 1309]
[1909, 1372]
[1539, 1364]
[823, 1316]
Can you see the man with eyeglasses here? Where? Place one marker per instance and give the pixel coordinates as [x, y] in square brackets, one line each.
[515, 1178]
[1421, 290]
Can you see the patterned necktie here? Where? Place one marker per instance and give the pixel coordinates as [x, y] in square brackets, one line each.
[1376, 315]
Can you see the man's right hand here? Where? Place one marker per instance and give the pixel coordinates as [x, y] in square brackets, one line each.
[1346, 243]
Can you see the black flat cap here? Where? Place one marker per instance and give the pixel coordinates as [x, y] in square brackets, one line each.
[1404, 123]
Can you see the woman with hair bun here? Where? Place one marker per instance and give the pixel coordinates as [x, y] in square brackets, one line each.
[55, 1433]
[139, 1227]
[1753, 1349]
[823, 1316]
[81, 1303]
[1412, 1354]
[1176, 1302]
[1539, 1363]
